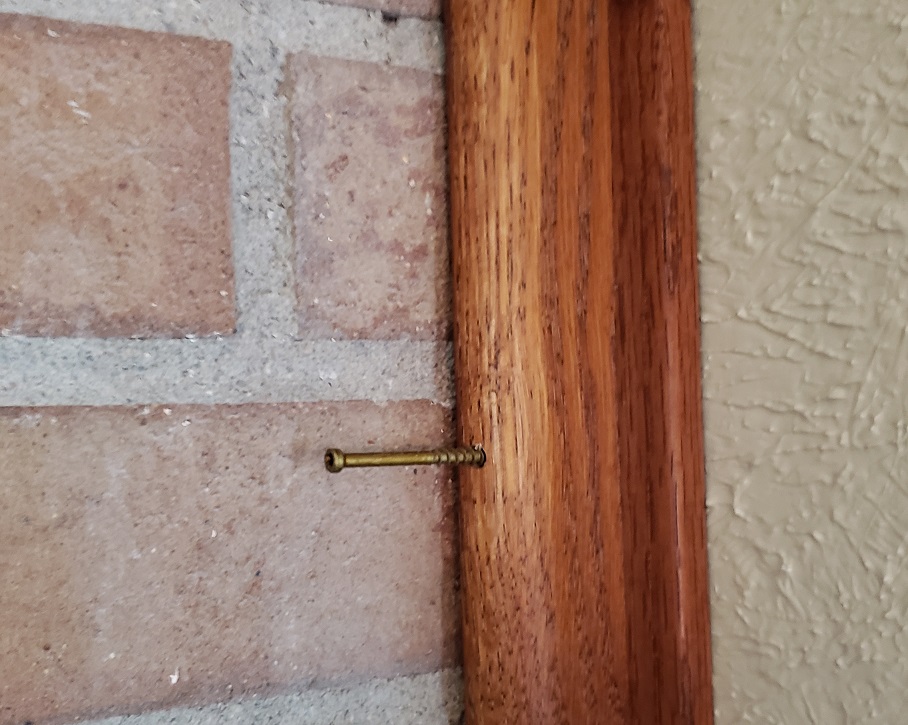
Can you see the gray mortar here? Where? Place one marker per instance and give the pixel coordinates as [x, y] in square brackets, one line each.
[288, 25]
[122, 372]
[434, 699]
[263, 361]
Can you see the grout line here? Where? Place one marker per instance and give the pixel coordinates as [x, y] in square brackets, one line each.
[69, 371]
[262, 235]
[290, 25]
[431, 699]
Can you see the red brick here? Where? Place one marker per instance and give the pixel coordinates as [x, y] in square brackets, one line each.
[114, 182]
[417, 8]
[370, 215]
[210, 538]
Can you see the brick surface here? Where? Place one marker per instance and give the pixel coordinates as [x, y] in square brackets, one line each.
[153, 556]
[370, 214]
[417, 8]
[114, 182]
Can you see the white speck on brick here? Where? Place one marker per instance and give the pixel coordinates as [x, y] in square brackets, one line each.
[175, 677]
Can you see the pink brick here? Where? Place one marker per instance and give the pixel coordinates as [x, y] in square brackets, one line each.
[370, 214]
[210, 540]
[114, 182]
[418, 8]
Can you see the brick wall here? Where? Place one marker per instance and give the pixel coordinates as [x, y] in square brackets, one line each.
[222, 249]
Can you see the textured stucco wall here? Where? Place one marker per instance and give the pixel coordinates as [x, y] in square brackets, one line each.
[803, 165]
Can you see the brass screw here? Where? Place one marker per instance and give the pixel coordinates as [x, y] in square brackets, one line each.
[336, 460]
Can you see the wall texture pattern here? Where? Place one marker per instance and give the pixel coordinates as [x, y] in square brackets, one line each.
[803, 140]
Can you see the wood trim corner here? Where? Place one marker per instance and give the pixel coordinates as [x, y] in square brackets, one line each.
[577, 362]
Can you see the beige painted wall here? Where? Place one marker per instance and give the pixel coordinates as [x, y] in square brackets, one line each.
[803, 165]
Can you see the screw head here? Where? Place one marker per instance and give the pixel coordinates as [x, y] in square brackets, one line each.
[334, 460]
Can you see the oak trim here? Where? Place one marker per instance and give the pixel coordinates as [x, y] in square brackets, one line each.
[577, 361]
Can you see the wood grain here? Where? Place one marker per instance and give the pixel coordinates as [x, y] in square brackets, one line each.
[584, 566]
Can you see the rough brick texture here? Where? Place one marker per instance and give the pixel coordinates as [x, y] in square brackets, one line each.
[370, 214]
[418, 8]
[192, 553]
[114, 182]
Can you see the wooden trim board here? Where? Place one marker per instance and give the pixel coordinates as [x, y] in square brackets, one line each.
[584, 570]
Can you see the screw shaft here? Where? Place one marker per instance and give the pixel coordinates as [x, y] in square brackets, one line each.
[336, 460]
